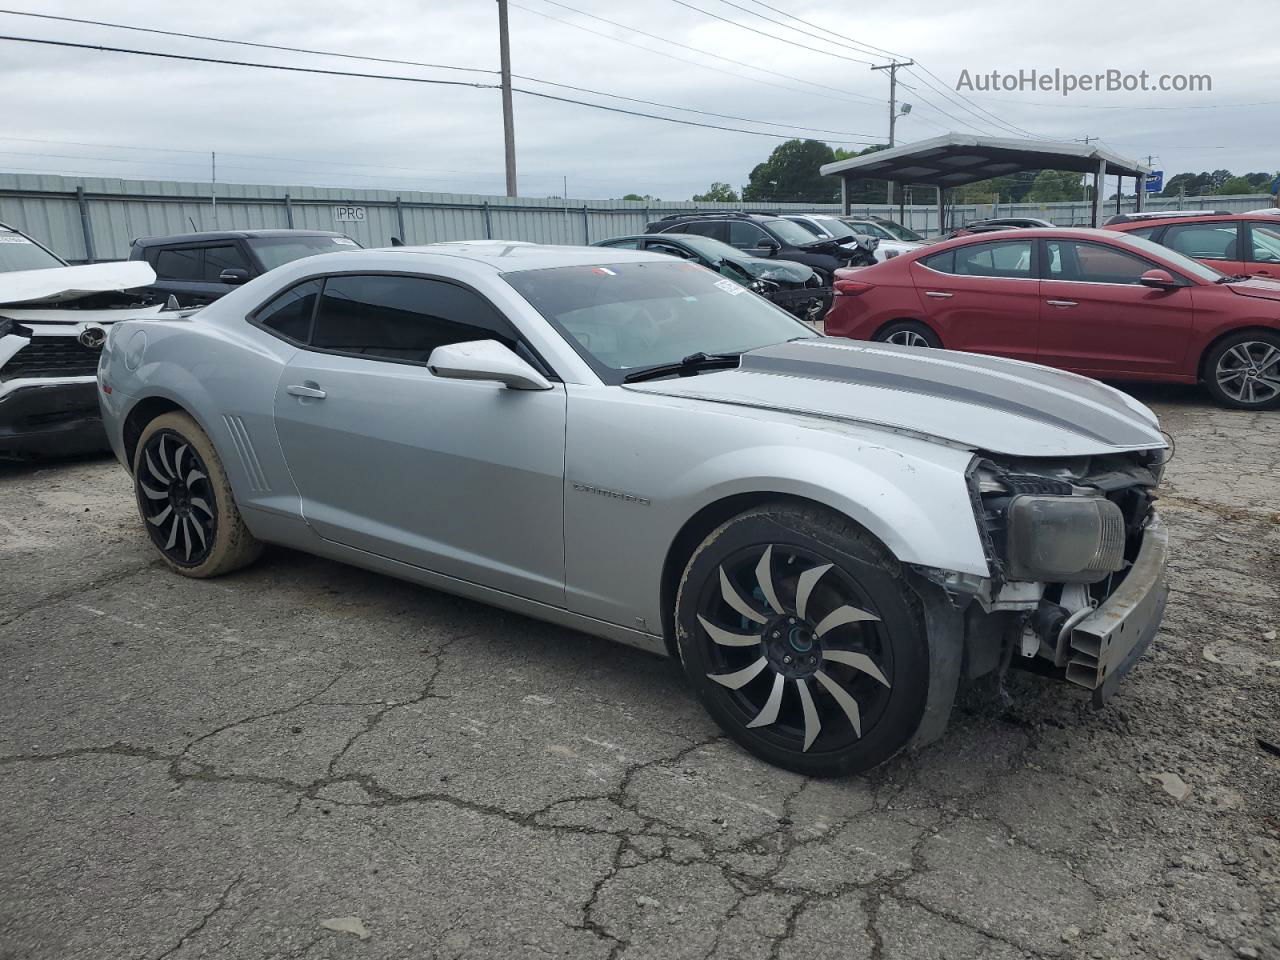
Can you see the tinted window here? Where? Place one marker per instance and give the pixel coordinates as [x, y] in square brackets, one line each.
[1011, 258]
[812, 228]
[789, 232]
[1148, 232]
[657, 246]
[176, 263]
[704, 229]
[217, 259]
[1204, 241]
[1265, 244]
[401, 318]
[273, 251]
[942, 262]
[1094, 263]
[742, 234]
[290, 313]
[622, 244]
[19, 253]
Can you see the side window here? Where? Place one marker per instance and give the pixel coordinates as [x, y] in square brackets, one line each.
[670, 249]
[289, 314]
[217, 259]
[402, 318]
[1008, 259]
[180, 264]
[704, 228]
[1204, 241]
[1148, 233]
[1094, 263]
[942, 262]
[743, 235]
[622, 244]
[1264, 245]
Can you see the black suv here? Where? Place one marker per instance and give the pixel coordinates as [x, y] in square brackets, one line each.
[198, 268]
[760, 235]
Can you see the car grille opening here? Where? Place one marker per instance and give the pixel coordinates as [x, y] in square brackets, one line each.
[51, 357]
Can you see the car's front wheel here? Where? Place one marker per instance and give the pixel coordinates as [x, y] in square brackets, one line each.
[802, 639]
[1243, 371]
[186, 502]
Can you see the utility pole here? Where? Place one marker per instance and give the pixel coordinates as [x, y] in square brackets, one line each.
[508, 121]
[892, 67]
[213, 185]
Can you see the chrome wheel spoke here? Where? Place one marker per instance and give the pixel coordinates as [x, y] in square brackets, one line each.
[841, 696]
[735, 600]
[195, 525]
[740, 678]
[193, 476]
[804, 587]
[764, 577]
[186, 538]
[859, 661]
[155, 472]
[160, 517]
[152, 494]
[177, 460]
[173, 535]
[840, 616]
[173, 474]
[201, 504]
[811, 722]
[1241, 353]
[725, 638]
[769, 713]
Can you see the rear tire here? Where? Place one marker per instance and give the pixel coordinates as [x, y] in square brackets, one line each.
[185, 501]
[803, 641]
[1243, 371]
[909, 333]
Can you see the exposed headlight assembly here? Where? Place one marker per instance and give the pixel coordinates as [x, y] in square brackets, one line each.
[1064, 539]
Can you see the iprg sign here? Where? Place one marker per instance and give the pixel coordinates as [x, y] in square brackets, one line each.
[347, 214]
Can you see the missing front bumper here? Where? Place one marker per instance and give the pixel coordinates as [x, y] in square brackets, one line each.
[1106, 644]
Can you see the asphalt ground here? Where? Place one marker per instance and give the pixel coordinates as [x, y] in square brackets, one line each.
[305, 759]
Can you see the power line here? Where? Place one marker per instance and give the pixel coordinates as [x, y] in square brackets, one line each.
[416, 63]
[742, 26]
[755, 68]
[379, 76]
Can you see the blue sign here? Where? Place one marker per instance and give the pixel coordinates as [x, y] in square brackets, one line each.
[1155, 181]
[1275, 185]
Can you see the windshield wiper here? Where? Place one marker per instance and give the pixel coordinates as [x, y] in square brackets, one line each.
[693, 363]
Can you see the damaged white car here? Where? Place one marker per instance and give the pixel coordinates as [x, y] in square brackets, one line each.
[53, 321]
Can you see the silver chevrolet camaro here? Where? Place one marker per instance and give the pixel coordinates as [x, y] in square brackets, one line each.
[830, 535]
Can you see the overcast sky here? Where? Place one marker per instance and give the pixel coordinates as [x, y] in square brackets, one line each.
[85, 112]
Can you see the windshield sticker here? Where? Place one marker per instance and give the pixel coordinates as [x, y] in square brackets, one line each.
[604, 271]
[729, 287]
[12, 238]
[346, 242]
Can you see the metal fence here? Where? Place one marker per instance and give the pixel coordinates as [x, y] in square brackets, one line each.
[91, 219]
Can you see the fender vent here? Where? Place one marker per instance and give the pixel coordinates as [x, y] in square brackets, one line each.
[248, 456]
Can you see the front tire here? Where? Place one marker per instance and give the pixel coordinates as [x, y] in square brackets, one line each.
[185, 501]
[803, 641]
[1243, 371]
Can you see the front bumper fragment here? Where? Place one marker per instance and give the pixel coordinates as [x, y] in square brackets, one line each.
[1106, 644]
[57, 419]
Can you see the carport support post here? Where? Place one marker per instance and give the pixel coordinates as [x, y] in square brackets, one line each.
[288, 211]
[941, 211]
[85, 226]
[1098, 179]
[844, 195]
[586, 226]
[1142, 193]
[488, 222]
[400, 220]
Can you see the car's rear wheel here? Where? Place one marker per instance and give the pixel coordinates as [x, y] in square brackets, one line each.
[1243, 371]
[186, 502]
[909, 333]
[803, 641]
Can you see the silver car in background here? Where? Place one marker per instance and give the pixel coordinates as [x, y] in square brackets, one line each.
[828, 534]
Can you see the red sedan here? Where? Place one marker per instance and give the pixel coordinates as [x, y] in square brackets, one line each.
[1233, 243]
[1102, 303]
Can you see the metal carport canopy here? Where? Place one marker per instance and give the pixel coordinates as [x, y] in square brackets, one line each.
[956, 159]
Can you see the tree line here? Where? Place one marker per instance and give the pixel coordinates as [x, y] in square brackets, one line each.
[790, 175]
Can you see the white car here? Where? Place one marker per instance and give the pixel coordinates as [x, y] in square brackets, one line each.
[826, 534]
[889, 242]
[53, 320]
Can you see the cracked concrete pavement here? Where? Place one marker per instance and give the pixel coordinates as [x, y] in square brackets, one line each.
[198, 769]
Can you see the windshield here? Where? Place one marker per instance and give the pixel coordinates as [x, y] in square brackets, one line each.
[710, 248]
[898, 232]
[19, 253]
[838, 229]
[790, 232]
[276, 251]
[868, 229]
[623, 317]
[1192, 268]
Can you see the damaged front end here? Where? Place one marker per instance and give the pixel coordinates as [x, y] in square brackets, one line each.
[1077, 555]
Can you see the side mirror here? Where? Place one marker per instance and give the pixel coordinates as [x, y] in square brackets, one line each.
[234, 275]
[769, 247]
[1159, 279]
[485, 360]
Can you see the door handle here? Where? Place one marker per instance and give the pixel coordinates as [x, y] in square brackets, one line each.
[1062, 303]
[308, 389]
[939, 294]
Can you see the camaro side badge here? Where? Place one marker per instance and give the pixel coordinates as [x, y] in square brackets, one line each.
[613, 494]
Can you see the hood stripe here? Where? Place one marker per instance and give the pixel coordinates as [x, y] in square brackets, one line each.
[893, 371]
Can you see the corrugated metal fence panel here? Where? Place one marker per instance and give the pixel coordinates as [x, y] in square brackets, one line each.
[46, 206]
